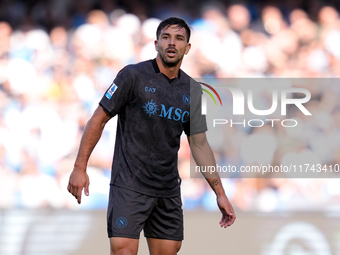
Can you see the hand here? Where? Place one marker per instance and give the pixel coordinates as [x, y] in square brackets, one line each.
[228, 214]
[78, 181]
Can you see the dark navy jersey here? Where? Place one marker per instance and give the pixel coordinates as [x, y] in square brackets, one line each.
[153, 111]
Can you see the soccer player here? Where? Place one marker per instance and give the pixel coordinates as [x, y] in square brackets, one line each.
[153, 102]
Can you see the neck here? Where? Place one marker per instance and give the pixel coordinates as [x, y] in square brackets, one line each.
[170, 71]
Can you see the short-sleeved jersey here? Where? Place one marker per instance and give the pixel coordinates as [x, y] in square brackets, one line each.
[152, 113]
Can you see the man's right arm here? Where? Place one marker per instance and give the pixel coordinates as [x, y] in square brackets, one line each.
[92, 133]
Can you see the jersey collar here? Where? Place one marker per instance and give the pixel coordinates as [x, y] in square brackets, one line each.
[156, 68]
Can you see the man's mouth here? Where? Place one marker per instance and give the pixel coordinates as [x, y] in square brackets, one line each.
[171, 52]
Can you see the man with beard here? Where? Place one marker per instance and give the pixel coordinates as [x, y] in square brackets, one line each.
[153, 102]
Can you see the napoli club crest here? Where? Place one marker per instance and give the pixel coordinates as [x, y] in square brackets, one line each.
[121, 222]
[186, 99]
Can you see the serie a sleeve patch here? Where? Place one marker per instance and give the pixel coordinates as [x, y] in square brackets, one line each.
[111, 90]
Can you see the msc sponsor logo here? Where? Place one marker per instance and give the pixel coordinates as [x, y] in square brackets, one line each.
[175, 114]
[171, 113]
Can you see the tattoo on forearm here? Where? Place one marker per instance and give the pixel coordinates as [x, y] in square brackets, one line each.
[215, 182]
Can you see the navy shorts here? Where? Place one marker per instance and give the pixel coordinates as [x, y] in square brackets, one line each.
[129, 212]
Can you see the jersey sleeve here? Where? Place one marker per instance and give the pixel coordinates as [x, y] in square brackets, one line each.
[120, 92]
[197, 123]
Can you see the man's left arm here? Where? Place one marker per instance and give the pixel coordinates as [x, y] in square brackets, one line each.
[204, 157]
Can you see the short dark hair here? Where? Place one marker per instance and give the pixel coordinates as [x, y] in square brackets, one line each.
[173, 21]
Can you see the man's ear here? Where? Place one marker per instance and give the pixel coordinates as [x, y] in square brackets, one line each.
[156, 45]
[188, 48]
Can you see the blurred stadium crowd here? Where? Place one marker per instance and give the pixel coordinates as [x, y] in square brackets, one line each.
[57, 58]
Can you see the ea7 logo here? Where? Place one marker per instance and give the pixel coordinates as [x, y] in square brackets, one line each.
[239, 101]
[148, 89]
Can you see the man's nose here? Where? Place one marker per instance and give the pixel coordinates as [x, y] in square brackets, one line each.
[172, 41]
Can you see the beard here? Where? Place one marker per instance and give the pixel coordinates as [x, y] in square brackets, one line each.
[170, 62]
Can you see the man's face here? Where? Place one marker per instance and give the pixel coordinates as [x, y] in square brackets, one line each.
[172, 45]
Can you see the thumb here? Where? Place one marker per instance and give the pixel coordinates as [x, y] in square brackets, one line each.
[230, 213]
[87, 184]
